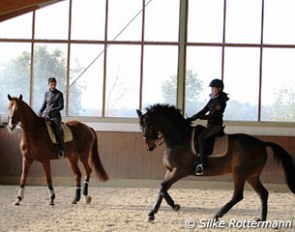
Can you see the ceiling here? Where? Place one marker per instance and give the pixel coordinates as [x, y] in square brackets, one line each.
[13, 8]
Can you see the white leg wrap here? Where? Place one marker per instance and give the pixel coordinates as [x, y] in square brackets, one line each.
[21, 193]
[51, 193]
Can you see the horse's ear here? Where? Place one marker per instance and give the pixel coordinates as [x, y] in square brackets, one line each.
[20, 97]
[139, 113]
[9, 97]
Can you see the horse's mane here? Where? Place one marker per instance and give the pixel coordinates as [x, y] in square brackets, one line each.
[168, 111]
[174, 127]
[29, 108]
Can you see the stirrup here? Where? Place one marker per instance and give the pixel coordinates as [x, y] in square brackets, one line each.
[199, 170]
[61, 154]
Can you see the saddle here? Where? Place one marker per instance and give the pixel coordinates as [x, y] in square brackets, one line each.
[216, 145]
[68, 135]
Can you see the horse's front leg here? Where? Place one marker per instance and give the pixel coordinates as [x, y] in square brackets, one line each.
[26, 164]
[156, 207]
[169, 180]
[47, 169]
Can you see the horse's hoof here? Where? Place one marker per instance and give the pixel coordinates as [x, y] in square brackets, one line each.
[74, 202]
[51, 203]
[176, 207]
[259, 219]
[216, 218]
[151, 218]
[17, 202]
[88, 200]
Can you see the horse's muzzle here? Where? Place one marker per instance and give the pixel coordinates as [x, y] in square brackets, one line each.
[11, 126]
[150, 146]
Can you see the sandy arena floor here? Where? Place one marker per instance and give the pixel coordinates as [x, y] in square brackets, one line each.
[126, 209]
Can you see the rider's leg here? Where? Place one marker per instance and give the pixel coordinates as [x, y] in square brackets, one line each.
[59, 136]
[207, 133]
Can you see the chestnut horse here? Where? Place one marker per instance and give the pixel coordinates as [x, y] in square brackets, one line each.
[35, 145]
[245, 158]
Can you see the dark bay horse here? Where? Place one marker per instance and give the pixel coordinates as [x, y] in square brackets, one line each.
[245, 158]
[35, 145]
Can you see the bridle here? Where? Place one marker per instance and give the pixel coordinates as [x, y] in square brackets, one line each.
[17, 111]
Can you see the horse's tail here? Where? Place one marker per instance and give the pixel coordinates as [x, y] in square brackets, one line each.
[99, 169]
[282, 155]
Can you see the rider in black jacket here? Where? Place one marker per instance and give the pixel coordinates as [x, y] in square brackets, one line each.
[52, 105]
[213, 112]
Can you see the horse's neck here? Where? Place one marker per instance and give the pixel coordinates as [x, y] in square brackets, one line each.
[29, 120]
[174, 136]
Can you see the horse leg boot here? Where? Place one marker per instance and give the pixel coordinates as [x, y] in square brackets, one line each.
[86, 181]
[262, 193]
[77, 195]
[77, 177]
[51, 194]
[20, 195]
[85, 192]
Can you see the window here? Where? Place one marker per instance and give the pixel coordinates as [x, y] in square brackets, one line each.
[279, 22]
[162, 20]
[53, 22]
[159, 75]
[86, 80]
[125, 20]
[88, 19]
[203, 65]
[122, 86]
[112, 57]
[50, 60]
[14, 71]
[241, 78]
[8, 27]
[278, 92]
[243, 21]
[205, 21]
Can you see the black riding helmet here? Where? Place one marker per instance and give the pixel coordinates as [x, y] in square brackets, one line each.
[51, 79]
[217, 83]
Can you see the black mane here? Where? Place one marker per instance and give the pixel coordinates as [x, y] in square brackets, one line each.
[167, 110]
[173, 125]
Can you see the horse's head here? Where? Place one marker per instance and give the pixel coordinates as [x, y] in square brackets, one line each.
[163, 123]
[150, 132]
[14, 111]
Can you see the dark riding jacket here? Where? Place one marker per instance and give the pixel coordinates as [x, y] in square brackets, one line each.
[53, 103]
[215, 107]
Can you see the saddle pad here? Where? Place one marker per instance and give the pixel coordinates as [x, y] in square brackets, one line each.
[68, 136]
[220, 146]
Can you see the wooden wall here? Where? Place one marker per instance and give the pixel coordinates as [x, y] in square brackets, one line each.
[124, 157]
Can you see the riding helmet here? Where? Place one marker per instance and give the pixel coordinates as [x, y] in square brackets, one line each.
[217, 83]
[51, 79]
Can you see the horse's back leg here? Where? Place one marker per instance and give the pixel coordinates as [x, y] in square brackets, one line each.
[239, 183]
[86, 181]
[26, 164]
[47, 169]
[77, 177]
[262, 193]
